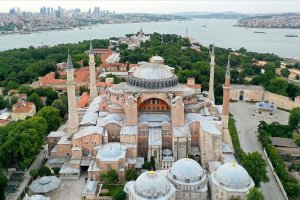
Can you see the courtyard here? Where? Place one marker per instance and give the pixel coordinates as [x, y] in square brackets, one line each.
[246, 125]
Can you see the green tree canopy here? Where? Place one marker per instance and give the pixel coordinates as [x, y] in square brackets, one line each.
[278, 85]
[3, 184]
[51, 114]
[119, 195]
[109, 177]
[60, 106]
[131, 174]
[285, 72]
[35, 98]
[256, 167]
[255, 194]
[294, 118]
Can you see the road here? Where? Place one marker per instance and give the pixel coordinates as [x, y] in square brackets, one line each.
[246, 126]
[26, 178]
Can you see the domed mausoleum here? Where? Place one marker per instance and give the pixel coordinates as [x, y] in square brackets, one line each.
[230, 179]
[189, 179]
[150, 185]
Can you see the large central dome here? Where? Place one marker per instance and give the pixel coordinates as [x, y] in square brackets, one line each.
[153, 75]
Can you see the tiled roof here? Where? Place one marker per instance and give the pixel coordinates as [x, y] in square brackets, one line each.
[103, 84]
[49, 79]
[22, 107]
[106, 55]
[83, 100]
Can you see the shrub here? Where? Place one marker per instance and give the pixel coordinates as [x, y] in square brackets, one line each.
[44, 171]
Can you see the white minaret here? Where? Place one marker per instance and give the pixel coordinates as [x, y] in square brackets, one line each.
[72, 124]
[211, 94]
[93, 88]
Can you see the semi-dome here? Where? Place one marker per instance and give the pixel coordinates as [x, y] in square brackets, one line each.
[186, 170]
[152, 184]
[153, 75]
[233, 176]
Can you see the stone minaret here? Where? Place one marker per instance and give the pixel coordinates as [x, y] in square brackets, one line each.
[211, 94]
[93, 88]
[225, 110]
[72, 124]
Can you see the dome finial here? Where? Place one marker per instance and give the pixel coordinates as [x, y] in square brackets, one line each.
[233, 164]
[151, 173]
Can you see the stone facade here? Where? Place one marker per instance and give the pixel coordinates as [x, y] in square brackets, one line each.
[253, 93]
[141, 118]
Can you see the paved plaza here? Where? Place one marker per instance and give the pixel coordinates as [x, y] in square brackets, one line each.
[69, 189]
[246, 125]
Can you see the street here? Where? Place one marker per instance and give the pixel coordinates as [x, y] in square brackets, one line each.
[246, 126]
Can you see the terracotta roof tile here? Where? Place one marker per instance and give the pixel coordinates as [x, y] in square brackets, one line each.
[22, 107]
[83, 100]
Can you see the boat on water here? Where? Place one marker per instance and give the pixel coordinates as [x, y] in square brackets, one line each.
[204, 26]
[262, 32]
[291, 35]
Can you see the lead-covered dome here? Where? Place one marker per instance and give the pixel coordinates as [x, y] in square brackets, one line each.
[186, 170]
[233, 176]
[152, 184]
[153, 75]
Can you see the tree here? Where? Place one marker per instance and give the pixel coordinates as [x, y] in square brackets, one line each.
[131, 174]
[119, 195]
[34, 173]
[294, 118]
[60, 106]
[35, 98]
[44, 171]
[3, 184]
[278, 85]
[256, 167]
[52, 117]
[109, 177]
[152, 161]
[24, 89]
[255, 194]
[285, 73]
[297, 77]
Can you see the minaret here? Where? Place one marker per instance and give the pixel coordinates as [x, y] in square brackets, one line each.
[93, 88]
[211, 94]
[225, 109]
[72, 124]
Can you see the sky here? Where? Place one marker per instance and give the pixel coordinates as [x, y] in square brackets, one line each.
[164, 7]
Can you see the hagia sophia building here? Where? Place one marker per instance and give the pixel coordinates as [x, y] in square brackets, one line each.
[152, 115]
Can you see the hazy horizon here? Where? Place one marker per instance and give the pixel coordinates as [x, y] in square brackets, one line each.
[160, 7]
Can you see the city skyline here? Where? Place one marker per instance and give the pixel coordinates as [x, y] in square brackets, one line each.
[164, 8]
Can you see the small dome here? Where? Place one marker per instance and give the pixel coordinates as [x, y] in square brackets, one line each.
[233, 176]
[110, 151]
[152, 183]
[186, 170]
[156, 59]
[44, 180]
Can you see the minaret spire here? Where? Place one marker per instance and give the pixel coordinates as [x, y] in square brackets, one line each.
[73, 123]
[228, 68]
[211, 94]
[225, 109]
[93, 88]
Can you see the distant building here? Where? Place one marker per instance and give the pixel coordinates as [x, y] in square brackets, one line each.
[21, 110]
